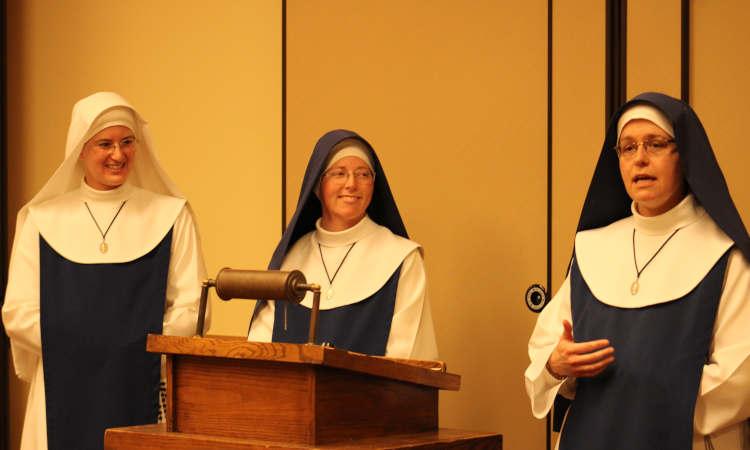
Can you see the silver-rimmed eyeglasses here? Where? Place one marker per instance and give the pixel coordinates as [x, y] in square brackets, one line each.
[125, 145]
[340, 176]
[654, 146]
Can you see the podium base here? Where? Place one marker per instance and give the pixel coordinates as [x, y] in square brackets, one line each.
[156, 437]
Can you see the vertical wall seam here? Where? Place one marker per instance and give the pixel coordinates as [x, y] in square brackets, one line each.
[549, 177]
[4, 341]
[622, 48]
[615, 57]
[283, 116]
[685, 51]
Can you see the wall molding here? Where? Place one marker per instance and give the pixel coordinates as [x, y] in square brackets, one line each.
[685, 51]
[283, 116]
[616, 57]
[5, 344]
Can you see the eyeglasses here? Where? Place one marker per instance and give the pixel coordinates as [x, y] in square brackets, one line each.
[125, 145]
[340, 176]
[654, 146]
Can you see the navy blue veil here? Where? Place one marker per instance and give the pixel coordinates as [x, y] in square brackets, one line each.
[382, 209]
[607, 200]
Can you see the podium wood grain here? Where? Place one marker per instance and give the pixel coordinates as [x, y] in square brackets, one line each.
[293, 403]
[133, 438]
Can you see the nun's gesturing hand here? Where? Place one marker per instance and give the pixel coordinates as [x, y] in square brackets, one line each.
[586, 359]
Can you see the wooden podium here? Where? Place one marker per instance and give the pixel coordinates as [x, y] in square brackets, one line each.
[228, 393]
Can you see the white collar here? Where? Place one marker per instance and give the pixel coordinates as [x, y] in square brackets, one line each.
[605, 256]
[96, 197]
[369, 265]
[687, 212]
[67, 226]
[364, 228]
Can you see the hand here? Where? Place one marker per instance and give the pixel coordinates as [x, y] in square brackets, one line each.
[577, 360]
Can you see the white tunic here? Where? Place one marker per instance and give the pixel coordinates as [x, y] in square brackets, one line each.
[78, 240]
[606, 262]
[371, 262]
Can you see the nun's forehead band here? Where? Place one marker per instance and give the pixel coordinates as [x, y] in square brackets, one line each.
[119, 115]
[648, 112]
[349, 147]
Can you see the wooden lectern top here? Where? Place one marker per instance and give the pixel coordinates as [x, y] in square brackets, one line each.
[426, 373]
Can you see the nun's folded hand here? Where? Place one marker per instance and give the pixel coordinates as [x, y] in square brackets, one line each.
[585, 359]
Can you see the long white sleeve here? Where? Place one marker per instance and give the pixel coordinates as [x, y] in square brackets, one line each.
[540, 385]
[186, 274]
[412, 331]
[724, 398]
[21, 308]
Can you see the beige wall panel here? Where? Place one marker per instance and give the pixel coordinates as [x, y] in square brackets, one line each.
[207, 76]
[452, 96]
[578, 122]
[653, 47]
[720, 88]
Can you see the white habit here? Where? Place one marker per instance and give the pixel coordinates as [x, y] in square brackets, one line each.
[153, 206]
[605, 257]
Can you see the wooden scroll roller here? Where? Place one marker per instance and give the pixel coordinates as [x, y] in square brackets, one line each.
[261, 285]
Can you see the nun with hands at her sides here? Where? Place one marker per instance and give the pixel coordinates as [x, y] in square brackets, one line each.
[106, 253]
[347, 235]
[648, 333]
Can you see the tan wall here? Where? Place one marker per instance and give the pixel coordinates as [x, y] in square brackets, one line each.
[452, 96]
[206, 75]
[720, 88]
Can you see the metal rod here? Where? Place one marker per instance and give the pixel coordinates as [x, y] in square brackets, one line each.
[202, 308]
[313, 339]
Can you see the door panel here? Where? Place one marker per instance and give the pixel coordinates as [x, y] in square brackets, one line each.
[653, 47]
[453, 97]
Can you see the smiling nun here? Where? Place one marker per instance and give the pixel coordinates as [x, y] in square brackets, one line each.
[106, 253]
[347, 235]
[648, 334]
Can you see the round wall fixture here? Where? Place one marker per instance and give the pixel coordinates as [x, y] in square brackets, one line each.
[536, 298]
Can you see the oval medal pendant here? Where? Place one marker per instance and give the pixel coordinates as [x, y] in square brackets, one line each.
[103, 247]
[634, 287]
[329, 293]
